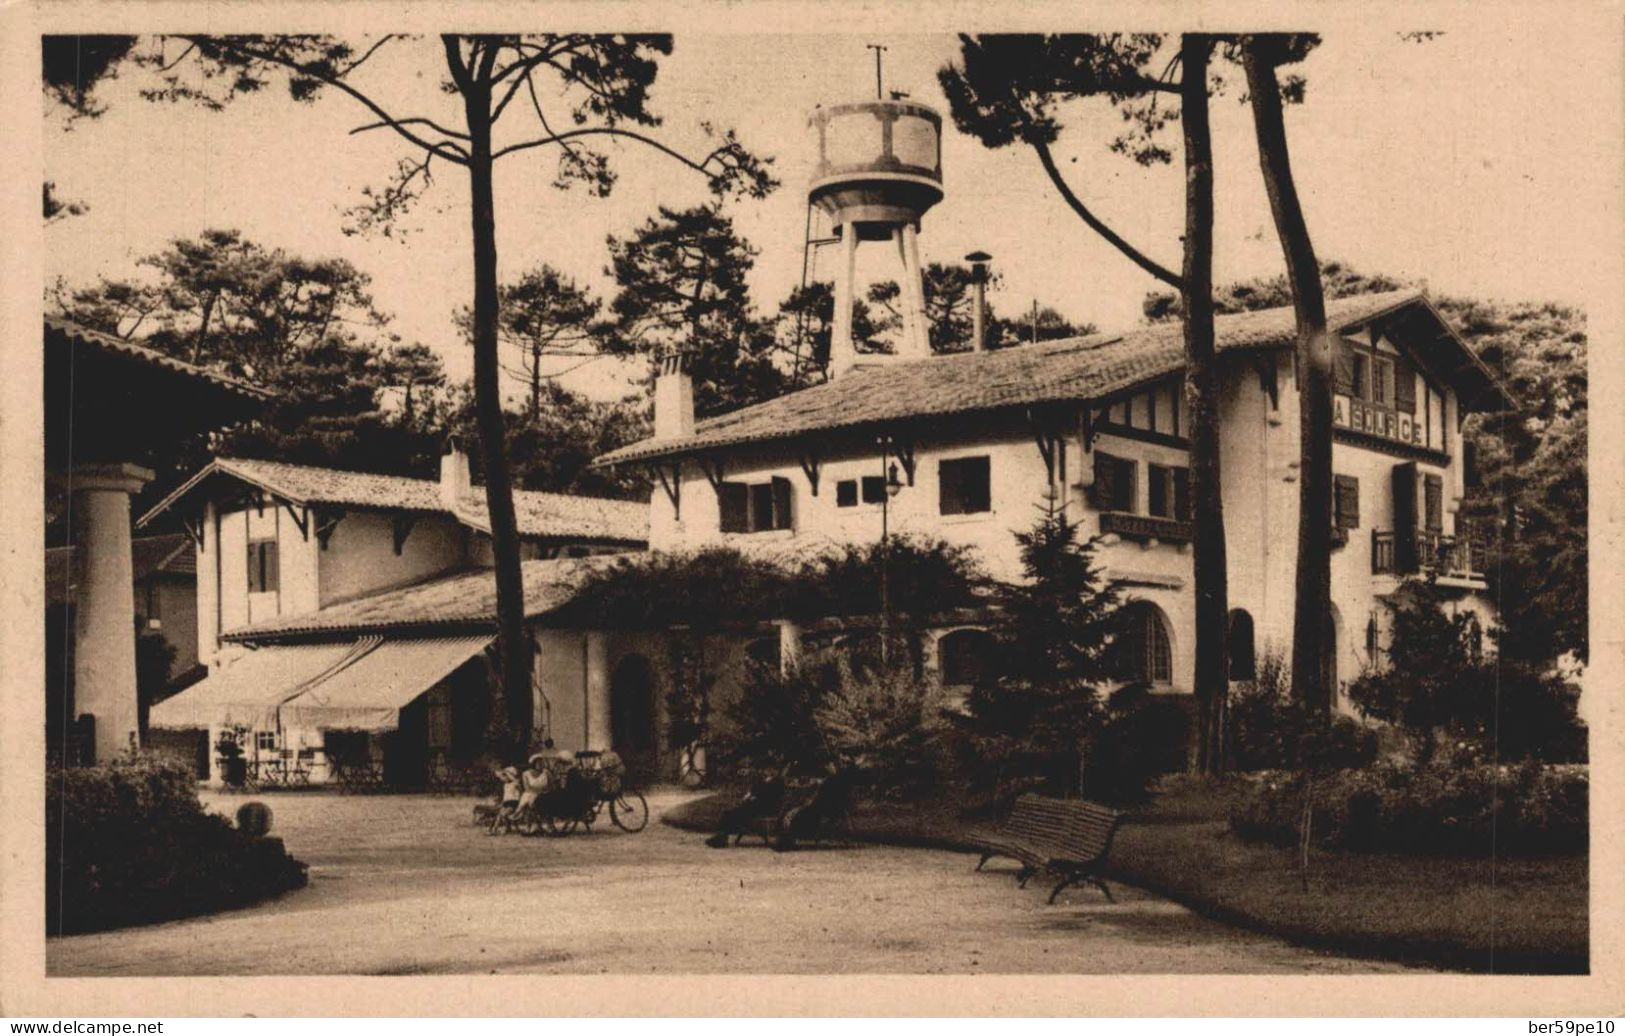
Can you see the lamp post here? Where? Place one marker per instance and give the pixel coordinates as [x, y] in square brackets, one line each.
[893, 486]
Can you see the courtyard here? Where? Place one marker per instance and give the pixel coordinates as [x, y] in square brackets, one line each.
[405, 885]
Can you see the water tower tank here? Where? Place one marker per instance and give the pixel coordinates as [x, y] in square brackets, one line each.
[879, 165]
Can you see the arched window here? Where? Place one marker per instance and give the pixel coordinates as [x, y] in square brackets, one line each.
[1243, 662]
[1147, 653]
[965, 658]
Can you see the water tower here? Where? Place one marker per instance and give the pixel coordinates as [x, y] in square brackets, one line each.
[879, 170]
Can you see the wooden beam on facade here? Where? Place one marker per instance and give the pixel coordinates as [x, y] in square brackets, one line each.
[401, 526]
[326, 521]
[671, 480]
[809, 467]
[301, 519]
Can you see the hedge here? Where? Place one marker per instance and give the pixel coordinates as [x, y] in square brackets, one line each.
[1529, 809]
[129, 843]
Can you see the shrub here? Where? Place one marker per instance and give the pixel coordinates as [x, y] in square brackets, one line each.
[883, 721]
[129, 843]
[1437, 686]
[1268, 730]
[1144, 736]
[1468, 811]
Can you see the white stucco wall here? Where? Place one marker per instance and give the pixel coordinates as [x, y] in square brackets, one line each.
[360, 556]
[1259, 458]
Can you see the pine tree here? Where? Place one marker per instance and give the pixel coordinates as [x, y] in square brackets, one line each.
[1029, 728]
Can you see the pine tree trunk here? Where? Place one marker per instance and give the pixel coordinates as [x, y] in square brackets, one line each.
[1202, 403]
[1311, 652]
[513, 644]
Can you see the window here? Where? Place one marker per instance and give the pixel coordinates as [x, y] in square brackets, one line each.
[262, 567]
[1382, 376]
[265, 741]
[755, 507]
[1114, 483]
[1147, 655]
[846, 491]
[1345, 502]
[1433, 497]
[1361, 379]
[964, 486]
[1170, 491]
[965, 658]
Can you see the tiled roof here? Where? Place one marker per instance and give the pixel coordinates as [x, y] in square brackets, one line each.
[148, 554]
[552, 515]
[564, 516]
[74, 334]
[1060, 370]
[467, 599]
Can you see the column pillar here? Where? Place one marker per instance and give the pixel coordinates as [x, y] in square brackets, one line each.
[595, 688]
[104, 603]
[843, 353]
[917, 332]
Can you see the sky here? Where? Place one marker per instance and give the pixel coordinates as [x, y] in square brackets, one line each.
[1459, 162]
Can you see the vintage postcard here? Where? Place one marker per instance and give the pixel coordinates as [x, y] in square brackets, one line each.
[814, 509]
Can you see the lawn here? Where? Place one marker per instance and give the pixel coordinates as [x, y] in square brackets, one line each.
[1525, 915]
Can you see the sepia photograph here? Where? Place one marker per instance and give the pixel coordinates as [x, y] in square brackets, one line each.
[825, 499]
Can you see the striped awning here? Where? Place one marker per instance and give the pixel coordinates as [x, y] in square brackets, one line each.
[369, 692]
[247, 691]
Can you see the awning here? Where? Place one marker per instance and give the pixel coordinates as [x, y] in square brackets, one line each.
[368, 693]
[246, 692]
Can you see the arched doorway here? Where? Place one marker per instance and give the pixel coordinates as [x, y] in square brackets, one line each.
[632, 716]
[1243, 659]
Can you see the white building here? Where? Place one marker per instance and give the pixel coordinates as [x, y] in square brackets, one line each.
[982, 439]
[344, 614]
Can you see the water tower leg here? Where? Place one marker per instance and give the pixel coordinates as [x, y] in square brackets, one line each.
[908, 243]
[842, 352]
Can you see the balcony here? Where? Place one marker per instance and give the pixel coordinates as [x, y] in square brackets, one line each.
[1456, 558]
[1146, 527]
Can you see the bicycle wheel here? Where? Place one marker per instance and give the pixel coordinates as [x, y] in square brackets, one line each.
[557, 827]
[629, 812]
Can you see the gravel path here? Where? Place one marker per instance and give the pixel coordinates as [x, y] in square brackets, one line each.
[404, 885]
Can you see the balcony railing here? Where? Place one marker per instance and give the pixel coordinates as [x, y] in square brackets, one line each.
[1456, 557]
[1146, 527]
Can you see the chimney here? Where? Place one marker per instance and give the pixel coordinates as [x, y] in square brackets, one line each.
[674, 397]
[978, 276]
[455, 482]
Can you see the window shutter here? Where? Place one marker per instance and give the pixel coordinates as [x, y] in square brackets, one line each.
[1182, 494]
[1405, 557]
[254, 567]
[1434, 512]
[1103, 492]
[272, 572]
[1157, 484]
[846, 493]
[781, 503]
[1342, 368]
[1347, 501]
[733, 501]
[1404, 386]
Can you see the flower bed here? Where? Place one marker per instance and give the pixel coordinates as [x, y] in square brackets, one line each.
[1528, 809]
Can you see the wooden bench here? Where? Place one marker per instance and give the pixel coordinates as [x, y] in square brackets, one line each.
[1068, 838]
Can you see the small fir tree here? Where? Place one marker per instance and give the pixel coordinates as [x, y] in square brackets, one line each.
[1029, 728]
